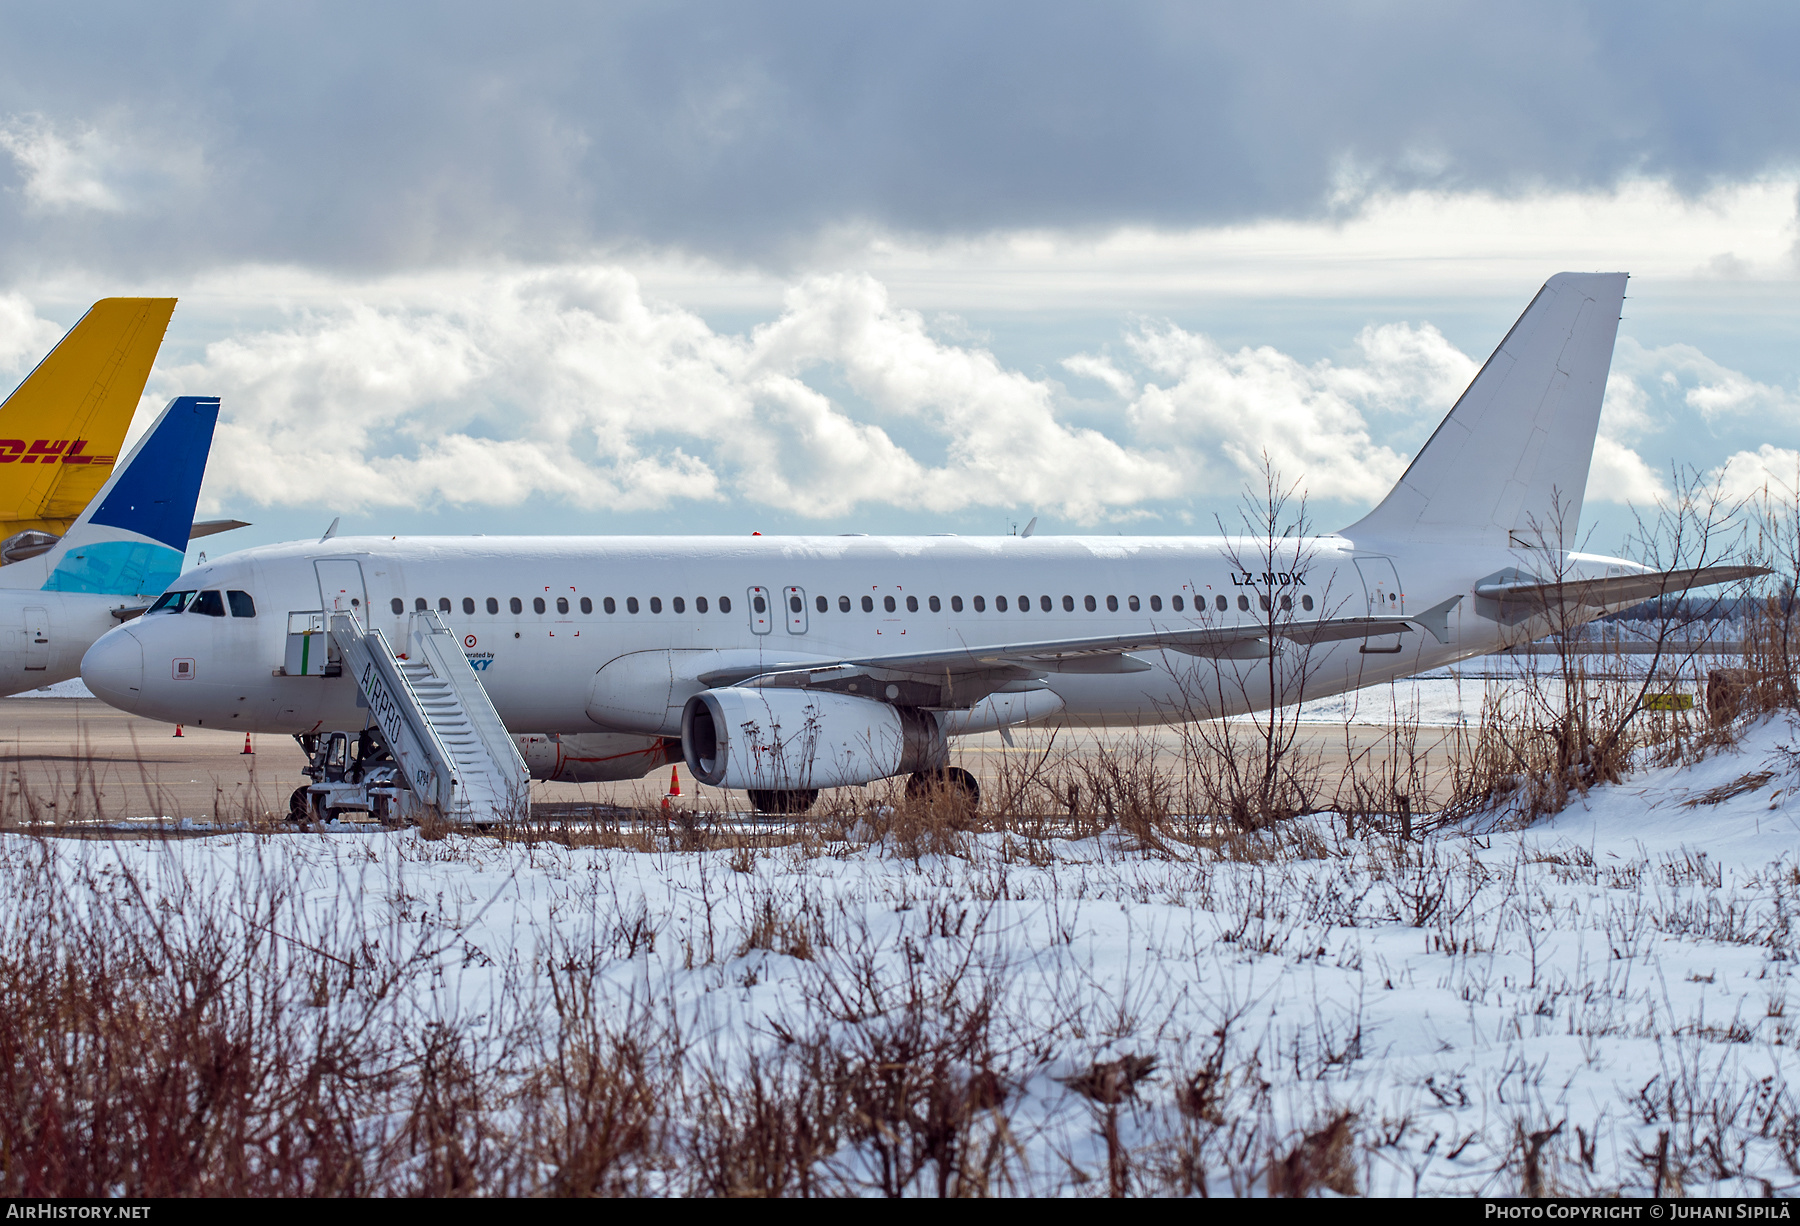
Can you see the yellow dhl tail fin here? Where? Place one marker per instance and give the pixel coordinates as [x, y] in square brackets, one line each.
[63, 427]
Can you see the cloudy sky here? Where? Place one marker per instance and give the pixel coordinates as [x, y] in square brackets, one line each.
[925, 267]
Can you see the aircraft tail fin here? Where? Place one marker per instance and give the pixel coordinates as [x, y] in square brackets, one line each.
[1509, 464]
[132, 538]
[62, 428]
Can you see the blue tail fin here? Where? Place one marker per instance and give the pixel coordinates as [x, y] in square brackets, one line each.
[132, 538]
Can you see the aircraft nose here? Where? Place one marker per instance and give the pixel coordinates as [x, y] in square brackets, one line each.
[114, 669]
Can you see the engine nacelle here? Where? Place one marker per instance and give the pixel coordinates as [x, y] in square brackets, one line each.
[795, 740]
[595, 757]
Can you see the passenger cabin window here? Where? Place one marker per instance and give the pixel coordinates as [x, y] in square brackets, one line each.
[609, 605]
[1243, 604]
[656, 604]
[562, 604]
[1175, 602]
[1156, 604]
[823, 605]
[999, 604]
[515, 605]
[794, 605]
[937, 605]
[912, 604]
[208, 604]
[887, 604]
[537, 604]
[699, 604]
[443, 604]
[724, 604]
[1112, 604]
[171, 602]
[1305, 603]
[760, 605]
[587, 604]
[493, 604]
[396, 604]
[1219, 603]
[1263, 600]
[868, 604]
[956, 604]
[679, 605]
[241, 604]
[1025, 604]
[631, 604]
[468, 604]
[1087, 602]
[981, 604]
[419, 605]
[1131, 602]
[843, 604]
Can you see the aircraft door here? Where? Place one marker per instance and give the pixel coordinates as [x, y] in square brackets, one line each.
[759, 611]
[37, 640]
[1381, 590]
[795, 599]
[341, 587]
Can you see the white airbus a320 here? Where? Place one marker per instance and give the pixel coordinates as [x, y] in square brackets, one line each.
[783, 665]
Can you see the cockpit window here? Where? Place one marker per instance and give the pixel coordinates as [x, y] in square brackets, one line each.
[171, 602]
[209, 604]
[241, 604]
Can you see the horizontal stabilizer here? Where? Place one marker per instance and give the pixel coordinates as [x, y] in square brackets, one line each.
[1532, 595]
[211, 527]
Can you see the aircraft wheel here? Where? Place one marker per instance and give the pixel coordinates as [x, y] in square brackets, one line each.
[953, 778]
[792, 803]
[299, 805]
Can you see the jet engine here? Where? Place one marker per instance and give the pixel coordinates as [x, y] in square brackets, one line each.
[797, 740]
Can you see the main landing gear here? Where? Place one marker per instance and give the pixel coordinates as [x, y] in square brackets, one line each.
[787, 803]
[952, 781]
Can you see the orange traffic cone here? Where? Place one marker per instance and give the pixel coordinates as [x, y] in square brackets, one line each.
[674, 781]
[177, 729]
[247, 748]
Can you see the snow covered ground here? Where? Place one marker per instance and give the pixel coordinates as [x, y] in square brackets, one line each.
[1597, 1003]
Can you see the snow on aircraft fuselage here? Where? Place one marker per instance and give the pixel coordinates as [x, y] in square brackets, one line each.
[619, 646]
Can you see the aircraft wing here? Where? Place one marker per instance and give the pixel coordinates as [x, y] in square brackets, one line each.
[960, 676]
[1533, 596]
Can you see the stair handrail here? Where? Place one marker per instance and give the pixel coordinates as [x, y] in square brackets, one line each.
[380, 664]
[443, 653]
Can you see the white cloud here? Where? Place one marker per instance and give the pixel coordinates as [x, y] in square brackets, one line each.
[576, 386]
[62, 172]
[108, 169]
[1748, 474]
[24, 337]
[1618, 473]
[1208, 405]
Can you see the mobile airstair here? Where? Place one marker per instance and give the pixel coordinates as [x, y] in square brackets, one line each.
[445, 737]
